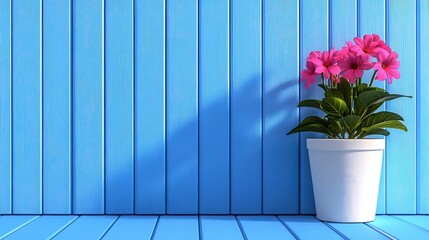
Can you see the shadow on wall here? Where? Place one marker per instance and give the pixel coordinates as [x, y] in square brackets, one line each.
[280, 155]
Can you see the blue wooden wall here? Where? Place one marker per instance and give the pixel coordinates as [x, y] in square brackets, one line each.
[181, 107]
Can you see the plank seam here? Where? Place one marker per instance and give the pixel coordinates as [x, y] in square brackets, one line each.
[156, 225]
[418, 103]
[287, 227]
[200, 230]
[165, 109]
[380, 231]
[198, 100]
[71, 105]
[134, 104]
[386, 34]
[261, 55]
[11, 109]
[335, 230]
[41, 125]
[241, 228]
[405, 221]
[110, 226]
[300, 53]
[19, 227]
[63, 227]
[103, 97]
[229, 105]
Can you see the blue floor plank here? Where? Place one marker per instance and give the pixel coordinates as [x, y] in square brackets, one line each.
[44, 227]
[399, 229]
[300, 225]
[419, 220]
[264, 227]
[211, 226]
[9, 224]
[132, 227]
[87, 227]
[177, 228]
[357, 231]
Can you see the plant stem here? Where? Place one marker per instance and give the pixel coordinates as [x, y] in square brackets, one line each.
[323, 79]
[372, 78]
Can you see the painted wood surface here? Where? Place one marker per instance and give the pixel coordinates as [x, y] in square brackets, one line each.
[27, 106]
[182, 106]
[280, 94]
[214, 103]
[311, 25]
[6, 107]
[88, 107]
[119, 86]
[246, 107]
[149, 107]
[57, 125]
[208, 227]
[401, 158]
[154, 107]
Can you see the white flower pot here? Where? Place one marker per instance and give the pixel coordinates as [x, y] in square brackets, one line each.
[346, 177]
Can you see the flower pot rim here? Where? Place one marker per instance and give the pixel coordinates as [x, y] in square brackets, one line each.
[366, 144]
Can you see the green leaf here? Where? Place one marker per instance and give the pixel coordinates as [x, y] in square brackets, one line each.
[369, 101]
[313, 128]
[334, 106]
[379, 117]
[351, 122]
[365, 99]
[324, 87]
[314, 122]
[375, 131]
[386, 124]
[334, 93]
[362, 87]
[335, 127]
[310, 103]
[346, 91]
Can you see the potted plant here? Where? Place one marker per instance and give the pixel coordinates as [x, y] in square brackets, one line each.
[345, 167]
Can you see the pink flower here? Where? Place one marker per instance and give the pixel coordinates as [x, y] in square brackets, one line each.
[353, 65]
[309, 75]
[387, 66]
[326, 63]
[370, 44]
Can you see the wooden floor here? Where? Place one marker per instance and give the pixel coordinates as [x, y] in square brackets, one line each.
[413, 227]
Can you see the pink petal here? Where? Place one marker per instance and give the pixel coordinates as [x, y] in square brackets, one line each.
[334, 69]
[381, 74]
[320, 69]
[394, 72]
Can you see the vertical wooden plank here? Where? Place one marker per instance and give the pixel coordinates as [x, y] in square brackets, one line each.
[27, 106]
[56, 107]
[313, 36]
[246, 107]
[182, 107]
[5, 107]
[214, 106]
[119, 107]
[343, 25]
[423, 108]
[281, 93]
[150, 107]
[401, 159]
[372, 20]
[88, 106]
